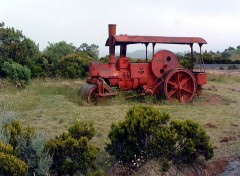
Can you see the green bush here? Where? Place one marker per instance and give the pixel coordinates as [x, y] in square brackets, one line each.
[232, 67]
[32, 151]
[185, 62]
[72, 152]
[74, 65]
[136, 136]
[147, 134]
[11, 165]
[37, 71]
[6, 148]
[14, 132]
[221, 68]
[19, 75]
[23, 143]
[191, 142]
[5, 118]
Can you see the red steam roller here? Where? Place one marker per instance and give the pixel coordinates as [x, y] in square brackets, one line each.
[162, 75]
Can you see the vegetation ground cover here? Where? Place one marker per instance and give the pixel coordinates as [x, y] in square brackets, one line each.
[52, 105]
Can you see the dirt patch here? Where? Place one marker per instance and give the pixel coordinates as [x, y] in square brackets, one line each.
[210, 125]
[233, 169]
[211, 99]
[235, 89]
[233, 124]
[221, 167]
[119, 170]
[227, 139]
[216, 167]
[211, 88]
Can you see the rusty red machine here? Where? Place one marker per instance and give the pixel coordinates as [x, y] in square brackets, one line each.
[162, 75]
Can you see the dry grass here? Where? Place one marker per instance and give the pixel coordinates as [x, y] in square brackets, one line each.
[53, 105]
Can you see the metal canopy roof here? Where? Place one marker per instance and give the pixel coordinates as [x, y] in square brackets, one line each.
[128, 39]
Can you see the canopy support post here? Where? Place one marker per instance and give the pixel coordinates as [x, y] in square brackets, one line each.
[146, 44]
[201, 59]
[191, 62]
[153, 46]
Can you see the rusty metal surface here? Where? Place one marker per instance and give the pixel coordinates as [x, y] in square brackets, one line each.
[159, 76]
[162, 62]
[129, 39]
[180, 85]
[86, 90]
[111, 33]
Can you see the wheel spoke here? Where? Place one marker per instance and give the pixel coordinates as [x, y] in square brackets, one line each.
[171, 93]
[177, 78]
[172, 83]
[179, 95]
[184, 81]
[187, 91]
[180, 86]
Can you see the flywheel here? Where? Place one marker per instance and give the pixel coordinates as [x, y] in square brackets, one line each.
[180, 85]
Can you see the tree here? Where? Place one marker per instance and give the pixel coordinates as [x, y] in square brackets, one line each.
[238, 47]
[74, 65]
[104, 59]
[225, 55]
[230, 48]
[55, 51]
[91, 50]
[52, 55]
[16, 47]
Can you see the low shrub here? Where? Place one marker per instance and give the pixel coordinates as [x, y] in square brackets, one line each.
[17, 74]
[191, 142]
[24, 145]
[32, 151]
[185, 62]
[11, 165]
[6, 148]
[221, 68]
[37, 71]
[72, 153]
[14, 132]
[148, 134]
[232, 67]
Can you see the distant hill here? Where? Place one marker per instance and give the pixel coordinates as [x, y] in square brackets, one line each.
[139, 54]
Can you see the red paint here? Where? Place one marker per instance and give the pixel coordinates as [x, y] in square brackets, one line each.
[159, 76]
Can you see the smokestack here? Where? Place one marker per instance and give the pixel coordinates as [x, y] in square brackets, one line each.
[111, 32]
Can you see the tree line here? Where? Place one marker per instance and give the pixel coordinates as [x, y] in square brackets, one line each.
[21, 59]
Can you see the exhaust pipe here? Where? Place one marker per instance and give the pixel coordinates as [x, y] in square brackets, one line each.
[111, 32]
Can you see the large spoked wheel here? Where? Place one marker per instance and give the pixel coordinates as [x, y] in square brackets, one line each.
[90, 92]
[180, 85]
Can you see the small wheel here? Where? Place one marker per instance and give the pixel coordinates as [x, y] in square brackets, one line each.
[180, 84]
[90, 92]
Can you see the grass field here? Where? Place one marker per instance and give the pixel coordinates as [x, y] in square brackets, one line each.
[52, 106]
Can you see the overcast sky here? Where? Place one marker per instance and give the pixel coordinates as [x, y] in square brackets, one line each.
[78, 21]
